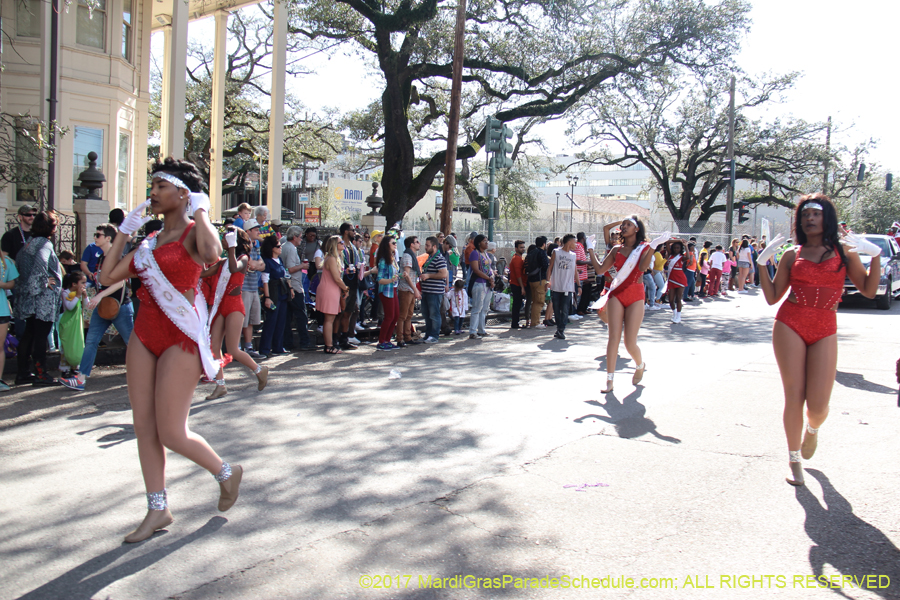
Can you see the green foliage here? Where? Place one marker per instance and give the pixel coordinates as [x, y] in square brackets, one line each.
[523, 59]
[25, 149]
[876, 208]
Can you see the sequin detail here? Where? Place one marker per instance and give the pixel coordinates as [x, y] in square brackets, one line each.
[818, 288]
[794, 455]
[157, 500]
[171, 179]
[225, 473]
[811, 430]
[632, 289]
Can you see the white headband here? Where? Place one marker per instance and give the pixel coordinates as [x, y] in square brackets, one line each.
[633, 222]
[172, 179]
[813, 205]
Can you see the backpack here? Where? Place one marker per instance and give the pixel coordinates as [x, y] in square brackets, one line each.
[532, 269]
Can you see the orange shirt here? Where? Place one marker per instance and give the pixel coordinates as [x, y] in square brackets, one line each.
[517, 272]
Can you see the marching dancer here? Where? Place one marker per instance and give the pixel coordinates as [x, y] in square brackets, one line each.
[625, 300]
[676, 280]
[805, 331]
[170, 345]
[225, 295]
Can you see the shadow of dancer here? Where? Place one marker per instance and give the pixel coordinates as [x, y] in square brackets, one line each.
[846, 542]
[628, 417]
[88, 578]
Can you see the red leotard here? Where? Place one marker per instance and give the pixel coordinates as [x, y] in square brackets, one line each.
[632, 289]
[677, 276]
[155, 330]
[229, 303]
[818, 288]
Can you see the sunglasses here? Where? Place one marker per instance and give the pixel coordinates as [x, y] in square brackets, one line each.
[341, 242]
[30, 215]
[96, 235]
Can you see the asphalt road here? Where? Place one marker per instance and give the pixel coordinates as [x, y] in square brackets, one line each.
[496, 459]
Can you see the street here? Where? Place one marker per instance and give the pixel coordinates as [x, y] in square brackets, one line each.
[498, 461]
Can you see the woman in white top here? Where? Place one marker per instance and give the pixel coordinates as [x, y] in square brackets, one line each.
[745, 256]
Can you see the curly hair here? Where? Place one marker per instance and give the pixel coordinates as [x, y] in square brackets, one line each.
[831, 238]
[243, 241]
[184, 170]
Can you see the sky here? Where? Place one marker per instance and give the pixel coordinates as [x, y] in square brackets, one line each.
[844, 50]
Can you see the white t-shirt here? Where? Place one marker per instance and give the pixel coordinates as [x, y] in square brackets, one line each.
[562, 278]
[745, 255]
[717, 260]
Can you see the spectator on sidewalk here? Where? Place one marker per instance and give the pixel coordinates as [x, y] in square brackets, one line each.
[71, 323]
[716, 265]
[352, 262]
[536, 264]
[277, 293]
[585, 274]
[434, 286]
[8, 276]
[250, 289]
[296, 309]
[37, 299]
[562, 274]
[459, 304]
[332, 292]
[99, 325]
[481, 284]
[408, 291]
[243, 215]
[387, 280]
[518, 281]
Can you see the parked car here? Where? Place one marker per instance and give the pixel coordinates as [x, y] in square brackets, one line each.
[889, 286]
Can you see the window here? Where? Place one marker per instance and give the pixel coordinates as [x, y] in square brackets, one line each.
[91, 27]
[28, 18]
[320, 175]
[28, 160]
[122, 189]
[126, 30]
[87, 139]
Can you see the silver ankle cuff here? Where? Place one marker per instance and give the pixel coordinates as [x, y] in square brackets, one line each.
[157, 500]
[811, 430]
[224, 474]
[794, 455]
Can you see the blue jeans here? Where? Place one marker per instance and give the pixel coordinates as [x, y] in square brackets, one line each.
[457, 323]
[649, 286]
[660, 283]
[691, 283]
[124, 323]
[296, 314]
[561, 303]
[481, 303]
[431, 310]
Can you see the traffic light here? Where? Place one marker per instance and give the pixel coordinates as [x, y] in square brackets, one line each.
[888, 182]
[862, 172]
[494, 134]
[729, 171]
[503, 158]
[743, 212]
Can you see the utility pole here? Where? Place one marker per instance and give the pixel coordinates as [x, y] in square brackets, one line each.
[453, 126]
[827, 158]
[729, 203]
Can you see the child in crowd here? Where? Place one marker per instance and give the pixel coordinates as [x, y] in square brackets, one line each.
[459, 304]
[67, 260]
[726, 276]
[71, 326]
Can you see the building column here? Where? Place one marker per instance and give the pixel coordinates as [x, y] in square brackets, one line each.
[174, 83]
[217, 117]
[276, 118]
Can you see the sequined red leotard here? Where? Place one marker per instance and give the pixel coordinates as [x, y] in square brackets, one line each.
[155, 330]
[676, 274]
[818, 288]
[229, 303]
[632, 289]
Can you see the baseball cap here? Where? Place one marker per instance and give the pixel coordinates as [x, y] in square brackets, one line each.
[25, 209]
[376, 232]
[250, 224]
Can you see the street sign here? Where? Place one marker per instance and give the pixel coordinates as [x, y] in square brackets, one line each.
[304, 199]
[312, 214]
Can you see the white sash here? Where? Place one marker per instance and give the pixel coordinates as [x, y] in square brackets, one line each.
[669, 268]
[224, 278]
[190, 319]
[630, 263]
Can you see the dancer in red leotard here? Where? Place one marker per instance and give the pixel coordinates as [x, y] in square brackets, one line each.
[171, 342]
[227, 317]
[676, 280]
[625, 301]
[805, 330]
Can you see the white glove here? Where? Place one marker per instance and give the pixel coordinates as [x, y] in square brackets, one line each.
[231, 239]
[134, 220]
[771, 248]
[662, 239]
[199, 201]
[863, 246]
[592, 242]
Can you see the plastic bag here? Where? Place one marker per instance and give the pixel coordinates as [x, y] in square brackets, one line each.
[500, 302]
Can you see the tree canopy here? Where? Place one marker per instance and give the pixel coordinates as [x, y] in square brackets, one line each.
[523, 59]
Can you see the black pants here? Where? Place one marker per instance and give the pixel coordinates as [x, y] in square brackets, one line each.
[33, 345]
[296, 315]
[517, 302]
[587, 289]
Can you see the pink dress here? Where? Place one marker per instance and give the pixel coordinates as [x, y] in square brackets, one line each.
[328, 294]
